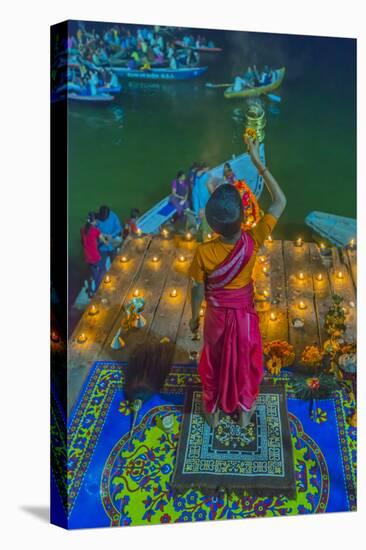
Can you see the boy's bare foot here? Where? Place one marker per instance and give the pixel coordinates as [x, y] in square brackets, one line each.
[245, 416]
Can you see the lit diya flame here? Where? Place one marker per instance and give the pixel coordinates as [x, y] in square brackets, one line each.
[270, 239]
[93, 310]
[262, 259]
[136, 293]
[82, 338]
[266, 293]
[155, 259]
[107, 280]
[265, 270]
[202, 312]
[209, 236]
[301, 276]
[299, 242]
[302, 305]
[273, 316]
[322, 246]
[139, 232]
[188, 236]
[182, 259]
[319, 277]
[174, 293]
[165, 233]
[123, 259]
[340, 275]
[352, 243]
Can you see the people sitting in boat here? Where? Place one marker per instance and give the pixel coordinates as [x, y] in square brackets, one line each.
[135, 56]
[239, 84]
[192, 58]
[131, 64]
[92, 83]
[173, 63]
[109, 224]
[91, 237]
[113, 82]
[265, 76]
[180, 193]
[130, 228]
[229, 176]
[170, 51]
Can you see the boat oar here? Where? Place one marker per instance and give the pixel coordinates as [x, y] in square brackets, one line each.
[274, 97]
[209, 85]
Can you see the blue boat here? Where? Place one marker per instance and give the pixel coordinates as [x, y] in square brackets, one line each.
[161, 74]
[161, 213]
[99, 98]
[338, 230]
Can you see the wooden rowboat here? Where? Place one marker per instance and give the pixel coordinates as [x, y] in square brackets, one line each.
[339, 230]
[258, 90]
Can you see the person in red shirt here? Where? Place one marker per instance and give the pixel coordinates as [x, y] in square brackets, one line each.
[130, 228]
[90, 238]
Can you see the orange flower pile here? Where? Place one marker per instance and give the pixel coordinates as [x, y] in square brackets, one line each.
[279, 354]
[312, 356]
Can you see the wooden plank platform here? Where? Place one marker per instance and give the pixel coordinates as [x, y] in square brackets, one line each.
[279, 291]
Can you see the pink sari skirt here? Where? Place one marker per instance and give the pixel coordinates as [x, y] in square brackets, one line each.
[231, 363]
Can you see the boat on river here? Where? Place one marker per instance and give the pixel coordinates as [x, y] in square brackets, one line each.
[160, 74]
[201, 49]
[338, 230]
[279, 75]
[163, 211]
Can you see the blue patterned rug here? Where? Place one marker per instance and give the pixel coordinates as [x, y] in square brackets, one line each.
[113, 479]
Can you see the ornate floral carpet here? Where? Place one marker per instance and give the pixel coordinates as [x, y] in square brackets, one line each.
[113, 479]
[257, 459]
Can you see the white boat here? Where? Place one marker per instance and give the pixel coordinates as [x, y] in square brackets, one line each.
[243, 168]
[339, 230]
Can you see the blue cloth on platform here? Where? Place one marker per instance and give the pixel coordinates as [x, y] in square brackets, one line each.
[110, 226]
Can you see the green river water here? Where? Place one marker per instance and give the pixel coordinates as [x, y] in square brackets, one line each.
[125, 154]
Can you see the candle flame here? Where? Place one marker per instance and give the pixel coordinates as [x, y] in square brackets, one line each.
[340, 275]
[136, 292]
[173, 293]
[273, 316]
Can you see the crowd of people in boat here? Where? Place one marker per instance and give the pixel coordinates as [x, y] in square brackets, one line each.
[252, 78]
[91, 82]
[121, 47]
[189, 41]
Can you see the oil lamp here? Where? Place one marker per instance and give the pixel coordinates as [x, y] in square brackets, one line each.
[266, 293]
[265, 270]
[270, 239]
[302, 305]
[319, 277]
[202, 312]
[155, 259]
[136, 293]
[139, 232]
[188, 236]
[123, 259]
[173, 293]
[93, 310]
[299, 242]
[301, 276]
[209, 236]
[165, 233]
[82, 338]
[182, 258]
[262, 259]
[107, 280]
[273, 316]
[352, 243]
[340, 275]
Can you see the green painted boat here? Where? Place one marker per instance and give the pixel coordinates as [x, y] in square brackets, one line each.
[259, 90]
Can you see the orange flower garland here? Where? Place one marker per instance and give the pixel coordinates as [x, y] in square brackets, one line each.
[252, 211]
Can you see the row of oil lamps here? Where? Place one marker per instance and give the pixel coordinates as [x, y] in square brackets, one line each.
[300, 241]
